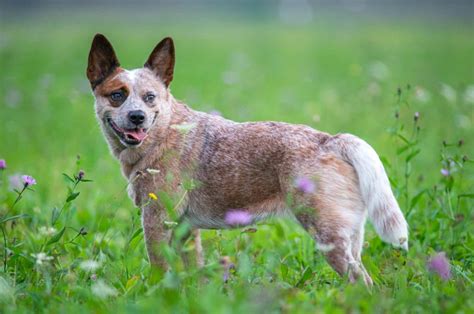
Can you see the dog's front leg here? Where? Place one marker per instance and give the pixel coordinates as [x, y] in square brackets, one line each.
[198, 248]
[187, 233]
[155, 233]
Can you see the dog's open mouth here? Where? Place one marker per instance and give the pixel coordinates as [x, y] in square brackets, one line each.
[129, 136]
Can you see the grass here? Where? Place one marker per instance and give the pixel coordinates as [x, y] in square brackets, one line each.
[336, 77]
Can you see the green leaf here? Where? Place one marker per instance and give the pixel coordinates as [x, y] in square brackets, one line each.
[72, 196]
[307, 274]
[168, 203]
[385, 162]
[406, 147]
[412, 155]
[135, 234]
[54, 215]
[131, 282]
[469, 195]
[69, 178]
[403, 138]
[284, 270]
[57, 236]
[416, 198]
[13, 218]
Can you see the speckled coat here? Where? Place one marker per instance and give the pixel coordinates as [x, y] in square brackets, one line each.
[248, 166]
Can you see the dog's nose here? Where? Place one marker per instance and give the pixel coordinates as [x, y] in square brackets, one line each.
[136, 116]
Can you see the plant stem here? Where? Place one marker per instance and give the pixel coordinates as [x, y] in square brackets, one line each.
[19, 195]
[65, 203]
[4, 250]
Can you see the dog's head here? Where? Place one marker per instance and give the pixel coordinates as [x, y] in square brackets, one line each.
[130, 103]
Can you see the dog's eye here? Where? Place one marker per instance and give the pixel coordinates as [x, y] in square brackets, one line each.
[149, 97]
[117, 96]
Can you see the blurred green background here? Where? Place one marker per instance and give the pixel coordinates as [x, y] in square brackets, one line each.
[336, 66]
[334, 70]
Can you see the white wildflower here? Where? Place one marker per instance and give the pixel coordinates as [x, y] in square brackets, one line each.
[102, 290]
[373, 89]
[316, 118]
[47, 231]
[449, 93]
[379, 70]
[463, 121]
[101, 238]
[469, 94]
[422, 95]
[89, 265]
[41, 258]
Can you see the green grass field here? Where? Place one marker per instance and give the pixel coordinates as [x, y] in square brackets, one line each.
[336, 76]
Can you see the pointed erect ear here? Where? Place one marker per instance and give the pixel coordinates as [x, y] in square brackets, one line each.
[102, 60]
[161, 60]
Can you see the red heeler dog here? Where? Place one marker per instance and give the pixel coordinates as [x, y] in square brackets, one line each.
[329, 183]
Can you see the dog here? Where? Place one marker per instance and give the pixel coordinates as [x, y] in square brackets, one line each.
[255, 167]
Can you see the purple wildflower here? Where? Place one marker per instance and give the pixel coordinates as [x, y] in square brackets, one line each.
[3, 164]
[28, 180]
[440, 265]
[445, 172]
[80, 175]
[227, 266]
[238, 217]
[305, 185]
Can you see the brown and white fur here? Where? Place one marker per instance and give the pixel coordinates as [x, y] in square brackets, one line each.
[250, 166]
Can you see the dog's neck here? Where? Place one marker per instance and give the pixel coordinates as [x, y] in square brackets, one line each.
[161, 138]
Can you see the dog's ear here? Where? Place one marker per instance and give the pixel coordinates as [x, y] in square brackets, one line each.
[161, 60]
[102, 60]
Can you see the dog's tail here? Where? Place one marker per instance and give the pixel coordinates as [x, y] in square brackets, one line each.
[378, 197]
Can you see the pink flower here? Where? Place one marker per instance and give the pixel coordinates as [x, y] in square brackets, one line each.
[80, 175]
[3, 164]
[238, 218]
[28, 180]
[445, 172]
[440, 265]
[305, 185]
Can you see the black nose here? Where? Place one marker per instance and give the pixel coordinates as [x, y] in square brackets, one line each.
[136, 116]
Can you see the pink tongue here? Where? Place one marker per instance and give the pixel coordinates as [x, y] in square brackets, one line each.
[137, 134]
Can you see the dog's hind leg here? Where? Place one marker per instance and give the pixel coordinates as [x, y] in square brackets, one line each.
[357, 241]
[334, 215]
[332, 233]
